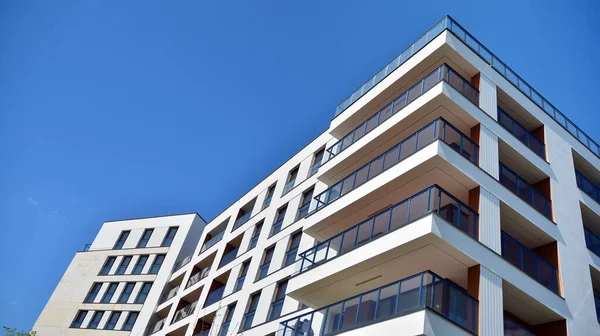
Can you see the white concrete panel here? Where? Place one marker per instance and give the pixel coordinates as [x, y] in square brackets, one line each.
[490, 303]
[488, 100]
[488, 152]
[489, 220]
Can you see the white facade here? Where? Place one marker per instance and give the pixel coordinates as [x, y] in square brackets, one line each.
[434, 237]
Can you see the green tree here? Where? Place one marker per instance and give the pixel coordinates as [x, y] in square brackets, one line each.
[13, 332]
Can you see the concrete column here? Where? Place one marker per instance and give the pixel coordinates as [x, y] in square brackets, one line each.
[488, 152]
[491, 317]
[489, 220]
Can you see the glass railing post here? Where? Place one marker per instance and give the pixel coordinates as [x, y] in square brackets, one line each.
[420, 291]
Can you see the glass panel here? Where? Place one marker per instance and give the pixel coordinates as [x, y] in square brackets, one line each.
[413, 93]
[391, 157]
[408, 300]
[376, 167]
[332, 318]
[361, 176]
[408, 147]
[399, 216]
[349, 239]
[334, 247]
[372, 123]
[366, 311]
[426, 136]
[399, 103]
[348, 318]
[419, 205]
[360, 132]
[387, 301]
[431, 80]
[385, 113]
[348, 184]
[364, 232]
[381, 224]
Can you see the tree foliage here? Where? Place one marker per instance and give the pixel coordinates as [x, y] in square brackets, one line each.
[14, 332]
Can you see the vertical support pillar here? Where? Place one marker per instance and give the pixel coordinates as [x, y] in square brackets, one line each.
[488, 99]
[491, 317]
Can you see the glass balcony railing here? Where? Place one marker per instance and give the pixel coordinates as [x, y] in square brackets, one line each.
[597, 302]
[276, 227]
[431, 200]
[158, 326]
[182, 263]
[242, 220]
[525, 191]
[194, 279]
[442, 73]
[529, 262]
[438, 129]
[421, 291]
[168, 295]
[448, 23]
[214, 296]
[592, 241]
[229, 257]
[587, 186]
[520, 132]
[512, 328]
[212, 241]
[184, 312]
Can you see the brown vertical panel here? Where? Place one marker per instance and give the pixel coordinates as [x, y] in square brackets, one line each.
[475, 80]
[475, 130]
[543, 186]
[539, 133]
[474, 198]
[473, 281]
[556, 328]
[550, 253]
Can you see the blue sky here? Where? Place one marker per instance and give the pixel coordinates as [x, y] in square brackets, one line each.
[112, 110]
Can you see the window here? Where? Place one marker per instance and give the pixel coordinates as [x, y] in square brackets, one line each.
[240, 280]
[277, 304]
[158, 260]
[255, 235]
[124, 264]
[130, 321]
[141, 298]
[317, 159]
[95, 320]
[305, 204]
[107, 265]
[227, 320]
[78, 320]
[112, 288]
[291, 180]
[139, 266]
[263, 270]
[169, 237]
[249, 316]
[278, 220]
[145, 238]
[121, 241]
[290, 255]
[269, 196]
[112, 320]
[124, 297]
[93, 292]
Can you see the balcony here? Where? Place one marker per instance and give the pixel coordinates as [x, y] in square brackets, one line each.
[182, 263]
[442, 73]
[229, 257]
[512, 328]
[587, 186]
[158, 326]
[431, 200]
[242, 220]
[530, 263]
[438, 129]
[184, 312]
[194, 279]
[212, 241]
[525, 191]
[168, 295]
[214, 296]
[423, 291]
[521, 133]
[592, 241]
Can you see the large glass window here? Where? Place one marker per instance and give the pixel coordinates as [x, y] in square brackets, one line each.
[121, 241]
[124, 264]
[107, 265]
[78, 320]
[145, 238]
[124, 297]
[110, 291]
[158, 260]
[130, 321]
[290, 255]
[141, 297]
[112, 320]
[278, 299]
[93, 292]
[169, 237]
[95, 320]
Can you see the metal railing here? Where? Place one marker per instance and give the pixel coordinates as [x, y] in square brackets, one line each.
[421, 291]
[529, 262]
[184, 312]
[587, 186]
[170, 294]
[182, 263]
[242, 220]
[521, 133]
[433, 199]
[214, 296]
[212, 241]
[442, 73]
[448, 23]
[438, 129]
[229, 257]
[512, 328]
[525, 191]
[194, 279]
[592, 241]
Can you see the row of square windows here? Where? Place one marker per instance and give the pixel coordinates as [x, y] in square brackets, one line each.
[137, 269]
[123, 297]
[167, 240]
[111, 323]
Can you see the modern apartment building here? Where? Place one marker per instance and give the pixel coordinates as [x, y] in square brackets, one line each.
[446, 197]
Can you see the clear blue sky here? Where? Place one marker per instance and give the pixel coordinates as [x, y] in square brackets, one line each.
[122, 109]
